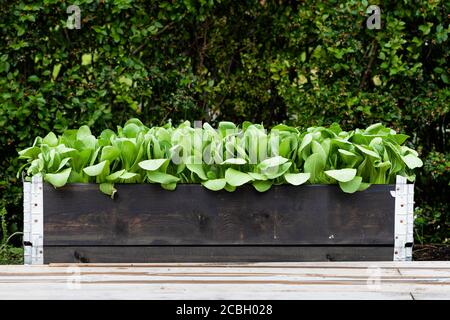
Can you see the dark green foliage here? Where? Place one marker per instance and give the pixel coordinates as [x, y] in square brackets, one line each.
[11, 255]
[300, 62]
[433, 212]
[8, 253]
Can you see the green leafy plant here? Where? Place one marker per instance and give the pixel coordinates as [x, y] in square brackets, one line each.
[226, 158]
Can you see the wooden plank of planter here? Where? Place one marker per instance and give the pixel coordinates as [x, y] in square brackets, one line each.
[331, 280]
[147, 215]
[140, 254]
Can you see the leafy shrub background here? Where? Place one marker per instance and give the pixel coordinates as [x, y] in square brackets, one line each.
[303, 63]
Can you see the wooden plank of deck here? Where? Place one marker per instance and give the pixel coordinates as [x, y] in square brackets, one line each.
[329, 280]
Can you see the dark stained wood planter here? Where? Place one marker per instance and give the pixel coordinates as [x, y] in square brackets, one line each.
[146, 223]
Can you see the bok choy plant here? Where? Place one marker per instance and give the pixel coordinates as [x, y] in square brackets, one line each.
[223, 158]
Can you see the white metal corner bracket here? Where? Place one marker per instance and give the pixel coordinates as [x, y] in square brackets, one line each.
[404, 219]
[33, 221]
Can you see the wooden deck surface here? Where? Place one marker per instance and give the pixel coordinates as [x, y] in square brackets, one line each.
[329, 280]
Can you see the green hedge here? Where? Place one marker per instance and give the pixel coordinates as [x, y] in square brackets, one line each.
[303, 63]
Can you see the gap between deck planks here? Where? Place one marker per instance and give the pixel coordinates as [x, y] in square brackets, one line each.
[330, 280]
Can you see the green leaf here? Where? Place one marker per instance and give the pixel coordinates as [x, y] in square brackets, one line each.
[272, 162]
[29, 153]
[109, 153]
[257, 176]
[343, 144]
[303, 56]
[306, 141]
[314, 165]
[376, 80]
[58, 179]
[341, 175]
[364, 186]
[169, 186]
[399, 138]
[126, 81]
[214, 184]
[127, 152]
[115, 175]
[297, 179]
[317, 148]
[83, 133]
[62, 149]
[160, 177]
[412, 161]
[225, 127]
[285, 148]
[55, 72]
[76, 177]
[274, 172]
[108, 188]
[347, 153]
[262, 186]
[51, 140]
[236, 178]
[153, 164]
[63, 163]
[128, 175]
[368, 151]
[229, 188]
[352, 185]
[349, 158]
[86, 59]
[374, 128]
[238, 161]
[198, 169]
[97, 169]
[131, 130]
[302, 79]
[426, 28]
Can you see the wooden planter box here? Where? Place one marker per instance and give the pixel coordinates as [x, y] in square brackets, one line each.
[145, 223]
